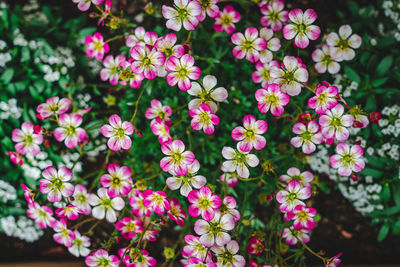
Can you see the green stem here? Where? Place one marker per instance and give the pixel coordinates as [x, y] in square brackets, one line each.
[137, 105]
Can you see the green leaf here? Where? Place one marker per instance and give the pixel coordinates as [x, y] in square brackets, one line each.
[7, 75]
[372, 172]
[396, 192]
[379, 82]
[396, 227]
[352, 74]
[386, 41]
[370, 105]
[384, 65]
[383, 232]
[386, 193]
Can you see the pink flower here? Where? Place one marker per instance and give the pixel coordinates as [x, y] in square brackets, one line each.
[182, 71]
[214, 232]
[334, 261]
[156, 200]
[166, 45]
[207, 94]
[302, 217]
[81, 199]
[157, 110]
[305, 178]
[344, 43]
[273, 45]
[274, 15]
[177, 158]
[187, 181]
[361, 120]
[193, 248]
[334, 123]
[226, 255]
[200, 262]
[118, 180]
[96, 47]
[80, 245]
[104, 206]
[54, 106]
[271, 98]
[348, 159]
[325, 98]
[28, 194]
[250, 135]
[326, 59]
[70, 212]
[69, 130]
[136, 202]
[292, 196]
[204, 202]
[229, 207]
[208, 7]
[137, 37]
[291, 235]
[27, 142]
[226, 19]
[290, 76]
[184, 13]
[160, 128]
[248, 45]
[230, 178]
[42, 215]
[255, 247]
[146, 60]
[176, 213]
[63, 235]
[129, 227]
[203, 119]
[262, 74]
[301, 28]
[100, 258]
[15, 158]
[84, 5]
[118, 132]
[55, 183]
[136, 257]
[110, 71]
[308, 136]
[238, 161]
[127, 75]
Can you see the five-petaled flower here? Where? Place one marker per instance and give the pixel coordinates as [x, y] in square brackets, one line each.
[56, 183]
[176, 213]
[226, 19]
[238, 160]
[157, 110]
[273, 15]
[182, 71]
[248, 45]
[273, 45]
[129, 227]
[42, 215]
[118, 133]
[348, 159]
[292, 235]
[250, 135]
[184, 13]
[27, 142]
[326, 59]
[271, 98]
[54, 106]
[302, 217]
[292, 196]
[69, 130]
[255, 247]
[204, 203]
[177, 158]
[308, 136]
[101, 258]
[325, 98]
[104, 206]
[305, 178]
[156, 200]
[334, 123]
[110, 71]
[80, 245]
[117, 181]
[96, 47]
[84, 5]
[62, 235]
[227, 255]
[146, 60]
[344, 43]
[203, 119]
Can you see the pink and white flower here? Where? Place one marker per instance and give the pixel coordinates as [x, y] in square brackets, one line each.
[334, 261]
[136, 257]
[118, 133]
[207, 94]
[70, 212]
[161, 129]
[146, 60]
[110, 71]
[203, 119]
[42, 215]
[271, 98]
[166, 45]
[136, 38]
[301, 28]
[334, 123]
[193, 248]
[255, 247]
[188, 181]
[177, 158]
[95, 46]
[326, 59]
[69, 130]
[302, 217]
[250, 135]
[203, 202]
[200, 262]
[273, 15]
[156, 200]
[129, 227]
[273, 45]
[182, 71]
[290, 76]
[230, 178]
[238, 161]
[15, 158]
[104, 206]
[54, 106]
[84, 5]
[157, 110]
[226, 19]
[248, 45]
[63, 235]
[176, 213]
[292, 235]
[127, 75]
[56, 183]
[208, 7]
[228, 206]
[292, 196]
[308, 136]
[184, 12]
[227, 255]
[27, 142]
[348, 159]
[80, 245]
[262, 74]
[118, 180]
[80, 199]
[136, 202]
[325, 98]
[100, 258]
[214, 232]
[344, 43]
[305, 178]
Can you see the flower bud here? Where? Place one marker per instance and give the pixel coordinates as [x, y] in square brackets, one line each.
[169, 253]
